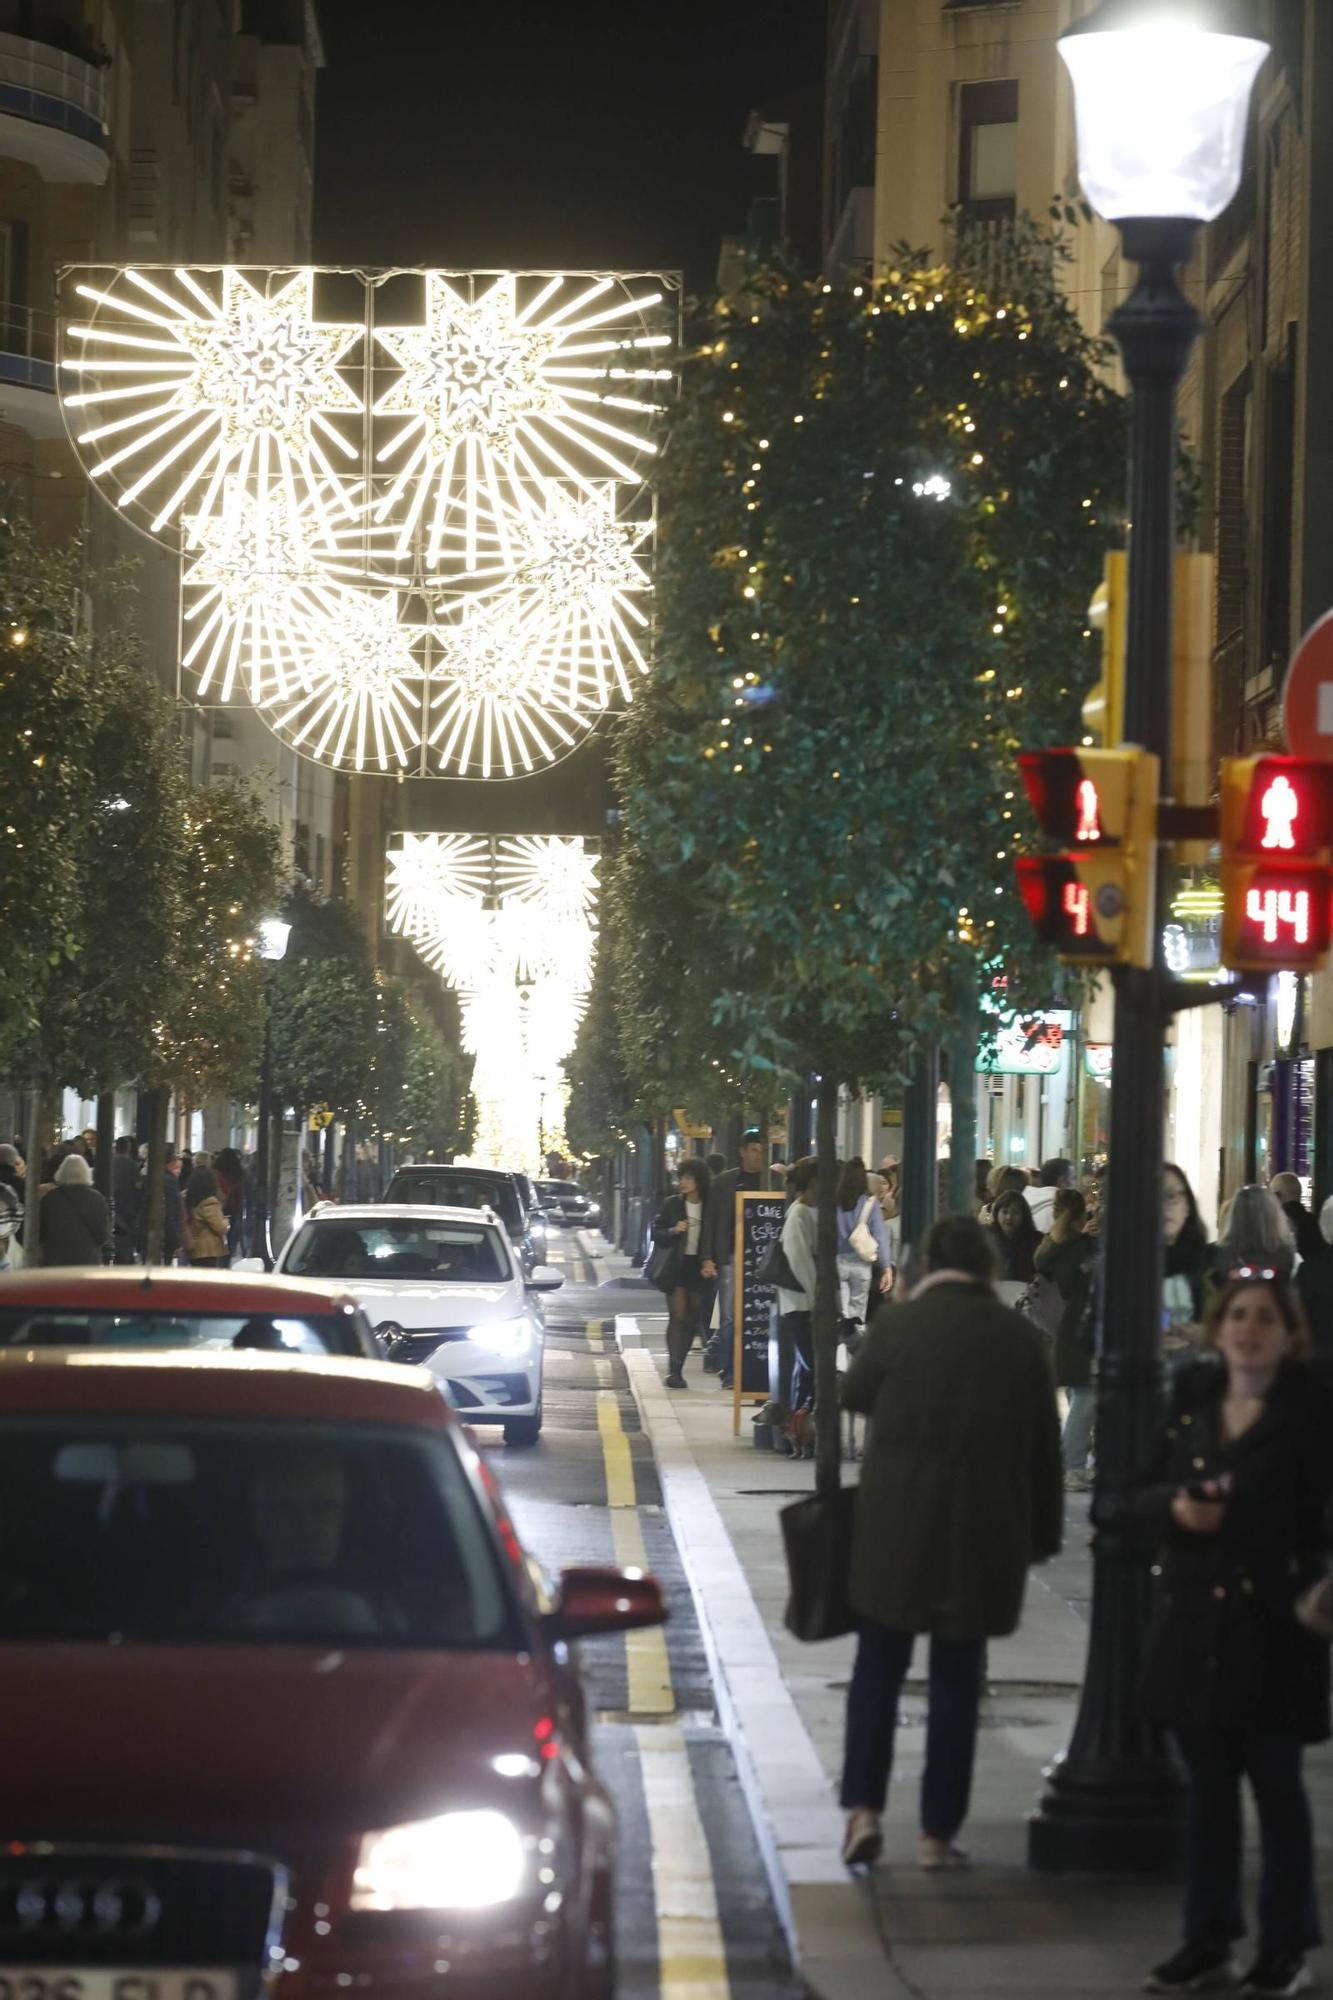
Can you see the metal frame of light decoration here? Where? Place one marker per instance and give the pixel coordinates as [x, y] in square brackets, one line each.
[412, 507]
[510, 924]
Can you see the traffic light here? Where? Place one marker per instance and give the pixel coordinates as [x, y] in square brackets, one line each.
[1277, 885]
[1094, 902]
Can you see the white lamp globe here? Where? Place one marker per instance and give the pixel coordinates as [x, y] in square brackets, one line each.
[1161, 98]
[273, 936]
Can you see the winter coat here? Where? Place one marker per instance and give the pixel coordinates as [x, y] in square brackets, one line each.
[125, 1194]
[1314, 1282]
[1224, 1649]
[962, 1486]
[718, 1240]
[1068, 1266]
[1309, 1242]
[74, 1226]
[800, 1238]
[204, 1228]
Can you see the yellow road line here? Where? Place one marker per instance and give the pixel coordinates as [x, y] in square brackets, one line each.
[692, 1955]
[649, 1670]
[595, 1329]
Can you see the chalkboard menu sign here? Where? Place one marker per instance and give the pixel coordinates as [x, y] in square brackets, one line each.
[759, 1219]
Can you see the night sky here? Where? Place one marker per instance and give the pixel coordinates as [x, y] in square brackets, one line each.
[579, 133]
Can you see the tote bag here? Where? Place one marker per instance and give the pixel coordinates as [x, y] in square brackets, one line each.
[817, 1539]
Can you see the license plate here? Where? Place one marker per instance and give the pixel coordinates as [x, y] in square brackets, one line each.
[49, 1982]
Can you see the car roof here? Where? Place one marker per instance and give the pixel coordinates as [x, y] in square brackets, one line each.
[173, 1289]
[199, 1384]
[444, 1167]
[402, 1211]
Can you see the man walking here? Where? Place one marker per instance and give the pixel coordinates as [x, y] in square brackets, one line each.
[124, 1200]
[719, 1248]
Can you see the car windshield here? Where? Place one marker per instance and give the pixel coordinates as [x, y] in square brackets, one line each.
[556, 1189]
[186, 1531]
[457, 1253]
[85, 1326]
[460, 1190]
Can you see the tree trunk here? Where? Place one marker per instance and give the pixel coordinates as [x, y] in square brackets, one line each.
[920, 1169]
[155, 1175]
[326, 1175]
[963, 1103]
[347, 1163]
[106, 1143]
[43, 1111]
[828, 1420]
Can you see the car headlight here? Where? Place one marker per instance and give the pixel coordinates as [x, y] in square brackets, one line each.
[504, 1336]
[460, 1861]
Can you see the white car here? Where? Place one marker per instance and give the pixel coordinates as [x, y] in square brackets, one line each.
[442, 1287]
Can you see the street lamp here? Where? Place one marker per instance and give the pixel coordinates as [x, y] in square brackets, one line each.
[1161, 98]
[271, 946]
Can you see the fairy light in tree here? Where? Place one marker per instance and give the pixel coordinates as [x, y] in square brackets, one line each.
[356, 706]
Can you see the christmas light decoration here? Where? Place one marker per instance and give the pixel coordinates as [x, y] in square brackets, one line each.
[509, 923]
[445, 572]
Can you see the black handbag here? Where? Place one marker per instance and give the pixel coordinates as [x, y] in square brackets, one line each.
[817, 1539]
[662, 1266]
[775, 1270]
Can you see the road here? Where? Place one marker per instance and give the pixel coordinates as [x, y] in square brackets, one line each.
[694, 1917]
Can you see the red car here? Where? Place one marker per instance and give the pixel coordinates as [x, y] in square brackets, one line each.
[121, 1306]
[282, 1701]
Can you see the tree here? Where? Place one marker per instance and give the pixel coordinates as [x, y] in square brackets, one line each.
[324, 1006]
[419, 1081]
[884, 508]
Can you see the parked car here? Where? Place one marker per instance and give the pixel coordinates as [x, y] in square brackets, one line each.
[111, 1306]
[567, 1205]
[536, 1214]
[283, 1704]
[471, 1187]
[441, 1286]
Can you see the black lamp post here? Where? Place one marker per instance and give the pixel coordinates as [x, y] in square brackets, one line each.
[1161, 94]
[272, 948]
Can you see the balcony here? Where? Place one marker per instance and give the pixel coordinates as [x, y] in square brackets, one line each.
[28, 371]
[52, 111]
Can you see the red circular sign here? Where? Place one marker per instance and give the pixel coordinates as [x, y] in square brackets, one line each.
[1307, 694]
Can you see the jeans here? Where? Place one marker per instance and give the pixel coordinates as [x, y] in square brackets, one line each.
[883, 1656]
[796, 1330]
[1216, 1760]
[1076, 1436]
[726, 1321]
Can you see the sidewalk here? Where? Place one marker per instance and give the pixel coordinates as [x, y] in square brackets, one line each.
[995, 1930]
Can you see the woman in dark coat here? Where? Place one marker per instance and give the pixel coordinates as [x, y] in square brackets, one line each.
[679, 1229]
[960, 1492]
[1236, 1494]
[1067, 1256]
[1014, 1237]
[74, 1221]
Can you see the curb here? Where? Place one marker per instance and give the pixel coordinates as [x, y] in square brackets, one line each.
[797, 1825]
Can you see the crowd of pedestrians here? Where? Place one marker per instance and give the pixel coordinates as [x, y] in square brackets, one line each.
[206, 1201]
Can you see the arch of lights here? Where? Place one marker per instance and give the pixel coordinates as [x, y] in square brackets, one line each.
[413, 508]
[510, 924]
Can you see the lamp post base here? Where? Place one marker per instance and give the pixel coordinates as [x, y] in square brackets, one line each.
[1130, 1824]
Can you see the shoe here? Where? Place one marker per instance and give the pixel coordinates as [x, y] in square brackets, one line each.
[676, 1381]
[863, 1841]
[711, 1363]
[1195, 1968]
[1275, 1973]
[940, 1854]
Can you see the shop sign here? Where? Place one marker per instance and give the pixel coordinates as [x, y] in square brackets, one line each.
[1097, 1061]
[1026, 1045]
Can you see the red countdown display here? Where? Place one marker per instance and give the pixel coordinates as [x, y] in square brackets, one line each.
[1277, 885]
[1094, 901]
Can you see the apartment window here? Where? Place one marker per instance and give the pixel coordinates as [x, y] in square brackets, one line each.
[988, 150]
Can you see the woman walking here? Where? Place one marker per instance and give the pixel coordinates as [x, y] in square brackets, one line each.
[1014, 1238]
[959, 1493]
[204, 1225]
[1255, 1231]
[74, 1220]
[678, 1228]
[1067, 1256]
[861, 1227]
[1236, 1494]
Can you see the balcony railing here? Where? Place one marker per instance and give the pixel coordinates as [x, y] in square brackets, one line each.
[27, 348]
[50, 87]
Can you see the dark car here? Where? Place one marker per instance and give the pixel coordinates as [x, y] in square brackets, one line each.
[284, 1707]
[122, 1307]
[472, 1187]
[567, 1205]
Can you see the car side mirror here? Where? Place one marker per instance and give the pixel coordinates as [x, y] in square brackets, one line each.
[248, 1264]
[545, 1278]
[594, 1600]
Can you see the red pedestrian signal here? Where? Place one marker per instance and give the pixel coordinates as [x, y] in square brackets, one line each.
[1094, 901]
[1277, 827]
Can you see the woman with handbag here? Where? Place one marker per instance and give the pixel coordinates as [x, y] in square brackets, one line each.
[863, 1244]
[1236, 1495]
[674, 1266]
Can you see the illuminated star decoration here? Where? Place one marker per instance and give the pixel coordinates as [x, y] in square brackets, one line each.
[354, 707]
[493, 707]
[494, 391]
[585, 569]
[192, 387]
[510, 925]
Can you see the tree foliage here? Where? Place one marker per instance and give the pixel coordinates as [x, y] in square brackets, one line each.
[884, 509]
[419, 1080]
[324, 1006]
